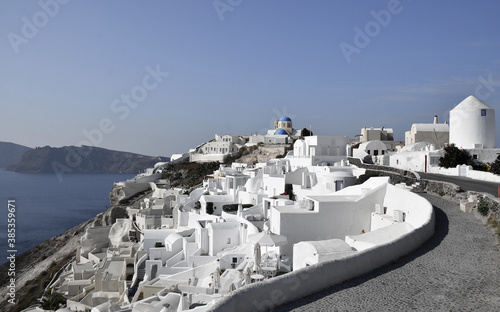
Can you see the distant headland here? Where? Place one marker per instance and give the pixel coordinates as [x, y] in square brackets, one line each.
[73, 159]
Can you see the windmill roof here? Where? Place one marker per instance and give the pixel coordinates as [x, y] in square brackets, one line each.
[471, 102]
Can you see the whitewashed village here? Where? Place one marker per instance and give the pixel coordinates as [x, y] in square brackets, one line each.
[257, 234]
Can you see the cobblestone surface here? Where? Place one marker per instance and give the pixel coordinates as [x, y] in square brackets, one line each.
[458, 269]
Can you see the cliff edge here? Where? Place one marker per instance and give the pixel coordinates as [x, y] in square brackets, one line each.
[36, 267]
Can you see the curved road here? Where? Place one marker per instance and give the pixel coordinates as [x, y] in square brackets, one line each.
[467, 184]
[458, 269]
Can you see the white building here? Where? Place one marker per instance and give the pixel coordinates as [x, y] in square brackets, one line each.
[380, 134]
[363, 216]
[327, 217]
[308, 253]
[434, 133]
[321, 180]
[372, 152]
[315, 150]
[217, 149]
[472, 125]
[416, 157]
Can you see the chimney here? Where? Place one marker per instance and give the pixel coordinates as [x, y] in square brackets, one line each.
[435, 119]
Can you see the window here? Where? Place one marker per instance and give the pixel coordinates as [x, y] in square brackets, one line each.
[474, 156]
[339, 185]
[483, 112]
[229, 241]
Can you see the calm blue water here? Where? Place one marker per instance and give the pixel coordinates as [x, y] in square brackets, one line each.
[46, 207]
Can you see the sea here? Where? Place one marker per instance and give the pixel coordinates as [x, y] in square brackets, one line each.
[46, 207]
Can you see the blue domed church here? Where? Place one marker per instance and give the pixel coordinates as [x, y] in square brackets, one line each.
[282, 133]
[283, 126]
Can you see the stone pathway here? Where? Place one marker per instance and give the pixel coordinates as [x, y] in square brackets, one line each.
[458, 269]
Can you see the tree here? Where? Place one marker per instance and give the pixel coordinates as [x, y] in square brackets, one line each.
[495, 166]
[53, 301]
[306, 132]
[454, 156]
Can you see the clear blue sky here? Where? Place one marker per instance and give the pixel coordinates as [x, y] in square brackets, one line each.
[236, 70]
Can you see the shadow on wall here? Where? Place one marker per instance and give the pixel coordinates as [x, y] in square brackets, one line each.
[441, 231]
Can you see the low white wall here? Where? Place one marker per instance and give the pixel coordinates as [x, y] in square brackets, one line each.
[482, 175]
[473, 174]
[414, 207]
[274, 292]
[444, 171]
[206, 157]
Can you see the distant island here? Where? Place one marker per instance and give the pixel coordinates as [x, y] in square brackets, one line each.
[73, 159]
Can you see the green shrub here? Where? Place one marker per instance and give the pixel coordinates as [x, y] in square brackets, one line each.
[483, 207]
[495, 166]
[53, 301]
[454, 156]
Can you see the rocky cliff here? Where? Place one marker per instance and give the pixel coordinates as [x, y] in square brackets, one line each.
[36, 267]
